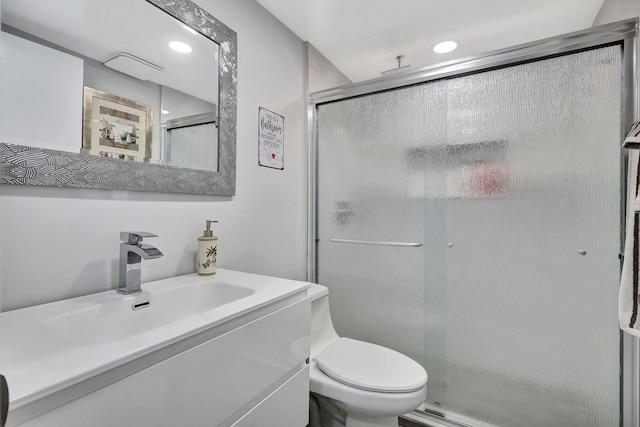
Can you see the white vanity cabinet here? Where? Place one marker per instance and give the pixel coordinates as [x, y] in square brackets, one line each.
[250, 371]
[287, 406]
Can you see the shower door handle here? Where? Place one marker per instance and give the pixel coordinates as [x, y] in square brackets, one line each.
[376, 243]
[4, 400]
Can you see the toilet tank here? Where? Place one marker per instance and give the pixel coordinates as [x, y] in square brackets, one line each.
[322, 331]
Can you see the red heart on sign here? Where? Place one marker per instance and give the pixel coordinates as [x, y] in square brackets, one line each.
[273, 155]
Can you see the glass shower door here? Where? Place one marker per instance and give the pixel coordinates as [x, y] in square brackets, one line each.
[371, 215]
[509, 180]
[533, 270]
[371, 219]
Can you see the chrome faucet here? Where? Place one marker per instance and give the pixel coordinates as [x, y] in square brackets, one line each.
[132, 252]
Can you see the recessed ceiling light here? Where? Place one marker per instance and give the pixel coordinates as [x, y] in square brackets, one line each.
[445, 46]
[165, 112]
[180, 47]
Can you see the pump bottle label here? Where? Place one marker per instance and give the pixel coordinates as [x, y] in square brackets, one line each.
[207, 256]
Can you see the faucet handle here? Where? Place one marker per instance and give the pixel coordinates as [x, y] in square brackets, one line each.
[134, 237]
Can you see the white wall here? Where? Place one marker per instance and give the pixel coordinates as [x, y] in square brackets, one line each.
[322, 74]
[57, 243]
[617, 10]
[33, 72]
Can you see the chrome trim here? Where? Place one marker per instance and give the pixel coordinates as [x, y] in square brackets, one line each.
[313, 195]
[584, 39]
[630, 399]
[629, 348]
[310, 129]
[132, 252]
[197, 119]
[635, 397]
[429, 420]
[376, 243]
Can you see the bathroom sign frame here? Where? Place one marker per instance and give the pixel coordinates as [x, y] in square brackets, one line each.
[270, 139]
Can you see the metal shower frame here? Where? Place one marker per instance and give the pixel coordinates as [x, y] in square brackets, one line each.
[624, 33]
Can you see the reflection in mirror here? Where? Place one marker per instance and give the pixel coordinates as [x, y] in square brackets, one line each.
[116, 127]
[60, 47]
[188, 127]
[127, 52]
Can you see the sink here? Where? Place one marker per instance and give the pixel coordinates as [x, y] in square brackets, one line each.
[110, 317]
[48, 348]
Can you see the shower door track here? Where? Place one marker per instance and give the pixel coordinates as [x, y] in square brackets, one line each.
[624, 33]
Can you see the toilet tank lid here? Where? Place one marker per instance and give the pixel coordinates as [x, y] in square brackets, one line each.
[316, 291]
[370, 367]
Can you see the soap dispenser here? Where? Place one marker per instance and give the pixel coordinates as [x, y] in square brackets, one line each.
[207, 251]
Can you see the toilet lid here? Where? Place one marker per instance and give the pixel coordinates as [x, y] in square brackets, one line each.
[370, 367]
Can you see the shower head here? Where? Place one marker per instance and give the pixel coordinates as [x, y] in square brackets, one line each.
[400, 69]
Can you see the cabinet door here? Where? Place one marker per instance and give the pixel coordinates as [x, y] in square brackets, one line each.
[288, 406]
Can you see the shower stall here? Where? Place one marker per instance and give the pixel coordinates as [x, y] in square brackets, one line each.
[470, 215]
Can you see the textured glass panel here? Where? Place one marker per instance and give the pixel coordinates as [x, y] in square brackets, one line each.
[193, 147]
[371, 188]
[506, 176]
[532, 337]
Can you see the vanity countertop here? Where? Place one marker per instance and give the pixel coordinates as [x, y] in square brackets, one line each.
[49, 347]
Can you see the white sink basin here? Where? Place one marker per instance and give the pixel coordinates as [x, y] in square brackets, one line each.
[112, 317]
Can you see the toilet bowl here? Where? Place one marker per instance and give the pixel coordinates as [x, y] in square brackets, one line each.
[358, 384]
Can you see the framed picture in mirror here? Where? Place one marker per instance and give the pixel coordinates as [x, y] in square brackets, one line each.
[115, 127]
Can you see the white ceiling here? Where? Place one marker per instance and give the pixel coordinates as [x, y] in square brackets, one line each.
[363, 37]
[102, 29]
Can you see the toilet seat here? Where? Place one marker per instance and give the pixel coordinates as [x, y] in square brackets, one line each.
[370, 367]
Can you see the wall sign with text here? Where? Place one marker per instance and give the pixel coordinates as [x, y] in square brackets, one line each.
[270, 139]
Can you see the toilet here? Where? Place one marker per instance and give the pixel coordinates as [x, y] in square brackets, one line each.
[355, 383]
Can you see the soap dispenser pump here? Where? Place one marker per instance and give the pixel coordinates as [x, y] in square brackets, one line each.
[207, 251]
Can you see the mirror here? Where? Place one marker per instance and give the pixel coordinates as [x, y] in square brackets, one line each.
[148, 119]
[188, 125]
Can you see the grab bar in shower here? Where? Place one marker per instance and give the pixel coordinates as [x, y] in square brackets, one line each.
[376, 243]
